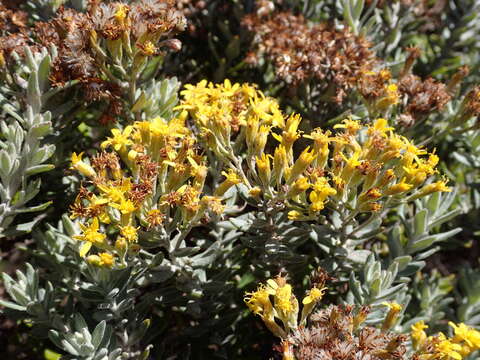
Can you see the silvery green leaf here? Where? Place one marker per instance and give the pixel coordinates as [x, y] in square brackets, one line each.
[44, 72]
[5, 162]
[68, 347]
[402, 261]
[54, 336]
[356, 289]
[40, 130]
[186, 251]
[359, 256]
[102, 354]
[37, 169]
[34, 208]
[115, 354]
[11, 305]
[206, 257]
[388, 293]
[98, 333]
[421, 219]
[412, 268]
[80, 322]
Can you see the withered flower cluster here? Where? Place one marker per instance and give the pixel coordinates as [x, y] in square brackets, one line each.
[333, 57]
[13, 31]
[107, 47]
[334, 333]
[423, 96]
[416, 97]
[11, 19]
[471, 105]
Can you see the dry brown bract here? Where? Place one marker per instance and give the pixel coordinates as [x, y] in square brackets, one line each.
[333, 335]
[423, 97]
[472, 103]
[333, 57]
[88, 42]
[11, 20]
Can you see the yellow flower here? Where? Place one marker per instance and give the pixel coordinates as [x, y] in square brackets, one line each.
[264, 169]
[438, 186]
[116, 193]
[283, 299]
[351, 165]
[121, 13]
[370, 194]
[294, 215]
[321, 190]
[418, 334]
[286, 304]
[259, 302]
[232, 179]
[121, 244]
[280, 163]
[399, 188]
[448, 349]
[320, 145]
[107, 259]
[149, 48]
[380, 127]
[119, 140]
[214, 204]
[90, 235]
[385, 74]
[302, 163]
[290, 133]
[467, 334]
[125, 207]
[103, 260]
[360, 317]
[392, 315]
[314, 296]
[255, 192]
[351, 126]
[299, 186]
[391, 96]
[81, 166]
[129, 232]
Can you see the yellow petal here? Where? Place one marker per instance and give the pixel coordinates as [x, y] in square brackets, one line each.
[85, 248]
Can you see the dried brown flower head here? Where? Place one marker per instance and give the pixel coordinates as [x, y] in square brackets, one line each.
[472, 103]
[423, 96]
[333, 57]
[333, 334]
[11, 20]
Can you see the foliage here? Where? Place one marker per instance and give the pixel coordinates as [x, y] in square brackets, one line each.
[160, 158]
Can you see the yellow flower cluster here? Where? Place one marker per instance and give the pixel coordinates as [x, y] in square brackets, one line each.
[285, 305]
[149, 176]
[359, 167]
[465, 341]
[229, 116]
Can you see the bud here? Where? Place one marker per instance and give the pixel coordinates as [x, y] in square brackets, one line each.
[81, 166]
[298, 187]
[94, 260]
[121, 243]
[302, 163]
[360, 318]
[255, 192]
[392, 315]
